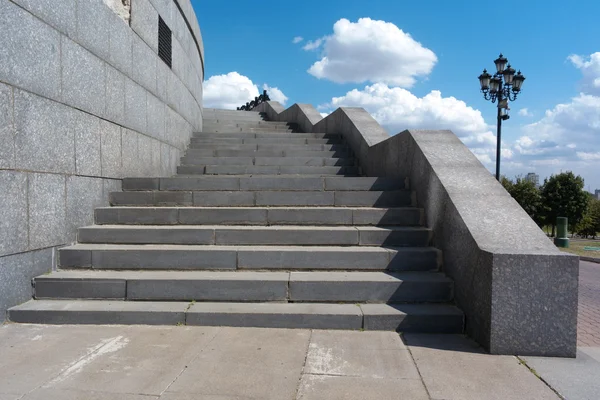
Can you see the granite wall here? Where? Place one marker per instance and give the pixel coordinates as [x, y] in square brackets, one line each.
[85, 101]
[517, 290]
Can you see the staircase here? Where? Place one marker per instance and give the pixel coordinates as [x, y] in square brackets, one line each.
[262, 226]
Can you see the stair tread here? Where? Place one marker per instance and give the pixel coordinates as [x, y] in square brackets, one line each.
[188, 247]
[387, 228]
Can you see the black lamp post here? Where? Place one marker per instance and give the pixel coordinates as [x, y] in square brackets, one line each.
[503, 86]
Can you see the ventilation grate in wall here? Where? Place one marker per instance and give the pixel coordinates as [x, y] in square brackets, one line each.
[164, 41]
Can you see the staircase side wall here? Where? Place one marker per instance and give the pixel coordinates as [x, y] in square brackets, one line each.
[85, 101]
[519, 293]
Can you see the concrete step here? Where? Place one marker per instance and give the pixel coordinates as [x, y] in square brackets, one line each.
[313, 216]
[265, 170]
[233, 129]
[190, 154]
[282, 161]
[267, 135]
[280, 145]
[243, 234]
[256, 197]
[422, 318]
[244, 286]
[195, 257]
[244, 122]
[199, 143]
[264, 183]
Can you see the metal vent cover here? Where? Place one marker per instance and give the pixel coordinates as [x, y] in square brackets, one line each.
[164, 42]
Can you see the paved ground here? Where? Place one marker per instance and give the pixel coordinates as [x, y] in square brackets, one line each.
[41, 362]
[588, 321]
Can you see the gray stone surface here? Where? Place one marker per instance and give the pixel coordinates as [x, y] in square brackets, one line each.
[121, 39]
[223, 198]
[115, 95]
[110, 144]
[155, 110]
[422, 318]
[143, 215]
[31, 58]
[144, 63]
[94, 22]
[310, 216]
[453, 367]
[144, 21]
[140, 184]
[147, 235]
[7, 127]
[16, 273]
[87, 144]
[392, 198]
[135, 106]
[279, 198]
[129, 152]
[40, 122]
[14, 221]
[83, 195]
[387, 216]
[339, 387]
[223, 216]
[571, 378]
[67, 285]
[83, 78]
[61, 14]
[286, 235]
[47, 210]
[202, 183]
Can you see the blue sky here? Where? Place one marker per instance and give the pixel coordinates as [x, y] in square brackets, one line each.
[415, 65]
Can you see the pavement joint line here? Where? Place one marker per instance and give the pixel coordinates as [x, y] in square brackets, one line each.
[304, 364]
[412, 358]
[535, 373]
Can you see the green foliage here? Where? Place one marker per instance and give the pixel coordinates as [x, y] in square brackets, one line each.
[528, 196]
[590, 223]
[563, 196]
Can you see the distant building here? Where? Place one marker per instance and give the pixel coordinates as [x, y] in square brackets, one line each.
[597, 194]
[533, 178]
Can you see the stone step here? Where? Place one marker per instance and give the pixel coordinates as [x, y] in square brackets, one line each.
[281, 161]
[233, 129]
[298, 198]
[246, 234]
[265, 170]
[193, 153]
[280, 145]
[196, 257]
[422, 318]
[313, 216]
[268, 135]
[232, 183]
[244, 286]
[199, 143]
[246, 122]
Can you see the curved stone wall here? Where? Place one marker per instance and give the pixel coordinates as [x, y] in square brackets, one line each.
[85, 100]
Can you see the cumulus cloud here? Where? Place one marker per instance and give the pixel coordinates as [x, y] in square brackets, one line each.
[371, 51]
[297, 39]
[524, 112]
[590, 69]
[231, 90]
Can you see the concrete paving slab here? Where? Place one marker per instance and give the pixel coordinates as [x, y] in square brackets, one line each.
[247, 363]
[57, 394]
[454, 367]
[358, 355]
[577, 378]
[317, 387]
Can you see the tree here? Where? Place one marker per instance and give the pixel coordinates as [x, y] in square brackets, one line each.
[590, 223]
[528, 196]
[563, 196]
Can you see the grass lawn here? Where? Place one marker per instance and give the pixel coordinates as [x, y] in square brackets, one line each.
[576, 247]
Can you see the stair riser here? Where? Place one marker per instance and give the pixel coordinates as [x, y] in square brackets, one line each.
[190, 154]
[262, 198]
[244, 291]
[269, 147]
[264, 170]
[258, 216]
[231, 183]
[271, 136]
[99, 317]
[268, 126]
[270, 161]
[257, 236]
[201, 143]
[246, 130]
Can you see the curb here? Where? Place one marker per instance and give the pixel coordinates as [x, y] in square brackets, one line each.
[590, 259]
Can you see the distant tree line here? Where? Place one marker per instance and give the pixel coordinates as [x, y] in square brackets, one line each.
[561, 195]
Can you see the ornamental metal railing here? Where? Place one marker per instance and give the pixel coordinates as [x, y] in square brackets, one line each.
[254, 103]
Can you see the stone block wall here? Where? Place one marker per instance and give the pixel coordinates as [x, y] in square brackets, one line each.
[85, 101]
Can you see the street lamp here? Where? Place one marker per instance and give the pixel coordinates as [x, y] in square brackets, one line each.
[503, 86]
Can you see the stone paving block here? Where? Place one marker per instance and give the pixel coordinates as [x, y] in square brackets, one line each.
[14, 222]
[209, 286]
[223, 216]
[70, 394]
[273, 315]
[94, 22]
[31, 58]
[83, 196]
[223, 198]
[279, 198]
[47, 211]
[110, 144]
[117, 234]
[40, 122]
[115, 95]
[87, 144]
[312, 216]
[83, 78]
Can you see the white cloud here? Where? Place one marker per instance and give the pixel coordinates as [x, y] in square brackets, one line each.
[524, 112]
[275, 94]
[232, 90]
[589, 156]
[313, 44]
[297, 39]
[590, 68]
[370, 50]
